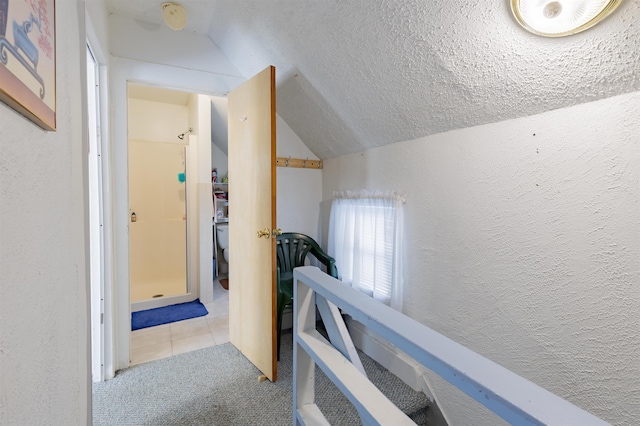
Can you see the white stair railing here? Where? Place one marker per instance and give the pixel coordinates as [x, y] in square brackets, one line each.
[513, 398]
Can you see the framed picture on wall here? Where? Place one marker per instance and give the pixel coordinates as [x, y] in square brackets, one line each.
[28, 59]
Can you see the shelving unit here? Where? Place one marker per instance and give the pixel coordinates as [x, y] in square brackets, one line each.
[220, 205]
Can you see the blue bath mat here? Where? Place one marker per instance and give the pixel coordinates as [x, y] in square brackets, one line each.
[167, 314]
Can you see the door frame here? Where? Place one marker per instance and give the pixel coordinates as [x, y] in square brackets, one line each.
[96, 215]
[124, 71]
[107, 243]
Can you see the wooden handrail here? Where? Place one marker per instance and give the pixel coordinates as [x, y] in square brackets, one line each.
[512, 397]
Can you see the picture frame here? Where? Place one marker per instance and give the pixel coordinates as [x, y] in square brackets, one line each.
[28, 59]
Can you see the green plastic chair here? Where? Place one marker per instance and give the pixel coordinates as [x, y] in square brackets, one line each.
[291, 251]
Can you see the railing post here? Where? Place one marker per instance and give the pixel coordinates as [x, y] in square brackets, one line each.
[337, 330]
[303, 365]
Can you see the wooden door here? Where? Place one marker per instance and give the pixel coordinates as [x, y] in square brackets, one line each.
[252, 208]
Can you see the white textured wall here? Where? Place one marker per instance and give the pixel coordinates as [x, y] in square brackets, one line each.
[523, 243]
[97, 26]
[219, 125]
[44, 320]
[299, 191]
[219, 161]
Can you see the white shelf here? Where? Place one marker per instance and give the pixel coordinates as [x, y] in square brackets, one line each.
[223, 187]
[220, 205]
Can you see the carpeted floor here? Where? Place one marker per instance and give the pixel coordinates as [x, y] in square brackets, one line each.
[218, 386]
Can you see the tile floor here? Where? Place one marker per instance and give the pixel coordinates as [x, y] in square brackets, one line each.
[149, 344]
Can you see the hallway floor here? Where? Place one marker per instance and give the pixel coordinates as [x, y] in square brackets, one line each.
[163, 341]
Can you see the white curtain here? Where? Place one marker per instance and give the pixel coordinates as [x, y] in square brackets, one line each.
[366, 238]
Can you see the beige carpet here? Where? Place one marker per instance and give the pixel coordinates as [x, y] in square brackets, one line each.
[218, 386]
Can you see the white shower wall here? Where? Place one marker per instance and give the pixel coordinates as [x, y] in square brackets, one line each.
[157, 121]
[158, 238]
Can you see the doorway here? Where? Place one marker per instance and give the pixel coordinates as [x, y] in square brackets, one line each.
[198, 179]
[165, 128]
[159, 180]
[96, 227]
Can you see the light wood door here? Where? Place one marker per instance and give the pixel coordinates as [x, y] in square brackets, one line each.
[252, 207]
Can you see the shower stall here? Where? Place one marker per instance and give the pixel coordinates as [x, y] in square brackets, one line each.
[158, 218]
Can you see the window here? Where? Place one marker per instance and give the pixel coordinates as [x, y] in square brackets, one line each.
[365, 238]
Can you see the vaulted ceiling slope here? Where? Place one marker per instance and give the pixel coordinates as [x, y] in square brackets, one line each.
[357, 74]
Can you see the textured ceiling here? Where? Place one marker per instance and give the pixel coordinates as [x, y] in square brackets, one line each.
[199, 12]
[355, 74]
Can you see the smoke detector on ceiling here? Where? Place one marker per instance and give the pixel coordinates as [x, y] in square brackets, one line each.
[557, 18]
[174, 15]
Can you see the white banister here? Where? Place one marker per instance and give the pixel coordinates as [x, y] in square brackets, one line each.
[508, 395]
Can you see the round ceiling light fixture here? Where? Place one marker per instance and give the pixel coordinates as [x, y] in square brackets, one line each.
[557, 18]
[174, 15]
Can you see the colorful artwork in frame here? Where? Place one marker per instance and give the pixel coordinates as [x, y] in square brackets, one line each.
[28, 59]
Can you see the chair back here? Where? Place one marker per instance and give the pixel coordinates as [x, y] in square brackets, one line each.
[292, 250]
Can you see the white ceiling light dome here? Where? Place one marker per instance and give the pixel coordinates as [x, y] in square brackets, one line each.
[174, 15]
[557, 18]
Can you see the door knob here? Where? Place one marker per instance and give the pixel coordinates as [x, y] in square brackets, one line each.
[264, 233]
[276, 232]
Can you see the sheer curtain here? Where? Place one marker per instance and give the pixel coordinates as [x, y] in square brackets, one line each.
[365, 238]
